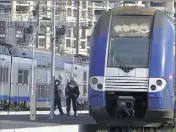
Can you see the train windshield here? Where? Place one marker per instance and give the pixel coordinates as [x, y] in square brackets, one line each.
[129, 41]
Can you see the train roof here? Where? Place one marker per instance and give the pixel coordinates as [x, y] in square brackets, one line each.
[43, 59]
[8, 49]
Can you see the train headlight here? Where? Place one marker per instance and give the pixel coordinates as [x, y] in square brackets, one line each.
[159, 82]
[97, 83]
[94, 81]
[153, 87]
[99, 86]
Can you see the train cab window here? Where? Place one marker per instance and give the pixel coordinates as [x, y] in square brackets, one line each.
[23, 76]
[4, 74]
[127, 33]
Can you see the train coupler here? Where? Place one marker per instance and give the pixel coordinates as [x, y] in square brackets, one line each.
[124, 107]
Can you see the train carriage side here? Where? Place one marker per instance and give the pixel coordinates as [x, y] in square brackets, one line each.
[5, 61]
[130, 66]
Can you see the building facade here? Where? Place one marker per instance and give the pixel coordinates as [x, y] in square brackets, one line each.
[15, 15]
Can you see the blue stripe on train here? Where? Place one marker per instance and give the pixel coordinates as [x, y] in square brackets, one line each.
[16, 98]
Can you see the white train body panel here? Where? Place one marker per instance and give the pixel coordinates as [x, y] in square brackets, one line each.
[5, 62]
[16, 75]
[20, 89]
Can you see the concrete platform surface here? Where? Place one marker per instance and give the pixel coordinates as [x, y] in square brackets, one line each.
[23, 121]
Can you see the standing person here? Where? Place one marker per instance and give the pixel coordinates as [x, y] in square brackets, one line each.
[72, 93]
[57, 99]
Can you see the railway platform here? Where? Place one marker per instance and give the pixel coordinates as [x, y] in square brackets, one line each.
[20, 122]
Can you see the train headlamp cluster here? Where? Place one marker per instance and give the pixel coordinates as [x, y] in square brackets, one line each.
[97, 83]
[156, 84]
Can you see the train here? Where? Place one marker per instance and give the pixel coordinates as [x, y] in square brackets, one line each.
[15, 78]
[132, 69]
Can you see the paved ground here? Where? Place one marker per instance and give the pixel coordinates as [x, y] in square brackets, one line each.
[22, 121]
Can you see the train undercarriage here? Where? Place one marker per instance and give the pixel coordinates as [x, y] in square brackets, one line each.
[127, 112]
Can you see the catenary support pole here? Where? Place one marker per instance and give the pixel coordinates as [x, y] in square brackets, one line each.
[38, 23]
[33, 87]
[53, 61]
[77, 28]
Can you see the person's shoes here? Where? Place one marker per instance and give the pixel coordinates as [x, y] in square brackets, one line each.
[62, 114]
[75, 114]
[68, 114]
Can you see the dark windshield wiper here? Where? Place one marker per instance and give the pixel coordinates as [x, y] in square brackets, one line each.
[122, 65]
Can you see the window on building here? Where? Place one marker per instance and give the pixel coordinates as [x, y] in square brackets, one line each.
[83, 35]
[90, 13]
[2, 23]
[75, 3]
[83, 45]
[42, 29]
[2, 30]
[84, 90]
[42, 41]
[89, 3]
[68, 33]
[69, 12]
[75, 44]
[23, 76]
[84, 4]
[90, 23]
[22, 9]
[88, 40]
[84, 76]
[83, 14]
[74, 12]
[2, 38]
[58, 11]
[69, 3]
[4, 72]
[68, 43]
[42, 2]
[98, 12]
[88, 50]
[74, 32]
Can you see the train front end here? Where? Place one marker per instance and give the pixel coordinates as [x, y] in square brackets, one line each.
[131, 68]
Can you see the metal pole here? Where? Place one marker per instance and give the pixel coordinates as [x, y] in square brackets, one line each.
[33, 91]
[53, 61]
[38, 23]
[77, 28]
[73, 59]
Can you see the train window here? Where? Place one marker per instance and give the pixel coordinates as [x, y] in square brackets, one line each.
[4, 74]
[6, 71]
[23, 76]
[84, 76]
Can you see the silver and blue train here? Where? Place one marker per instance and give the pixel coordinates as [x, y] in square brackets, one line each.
[132, 68]
[15, 78]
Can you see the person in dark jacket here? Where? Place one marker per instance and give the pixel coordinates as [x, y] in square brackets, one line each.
[72, 93]
[57, 99]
